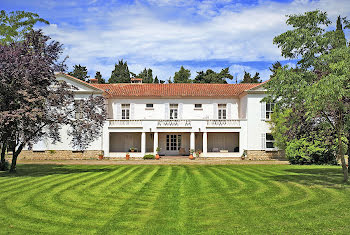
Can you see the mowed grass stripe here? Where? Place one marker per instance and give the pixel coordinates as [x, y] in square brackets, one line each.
[15, 205]
[174, 199]
[120, 220]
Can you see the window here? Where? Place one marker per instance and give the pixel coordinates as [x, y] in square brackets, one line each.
[173, 111]
[269, 141]
[149, 105]
[125, 111]
[222, 111]
[78, 109]
[198, 106]
[269, 110]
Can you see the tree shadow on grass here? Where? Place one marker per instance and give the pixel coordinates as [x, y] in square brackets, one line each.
[325, 177]
[38, 170]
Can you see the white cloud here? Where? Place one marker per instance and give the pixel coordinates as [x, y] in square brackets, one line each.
[145, 37]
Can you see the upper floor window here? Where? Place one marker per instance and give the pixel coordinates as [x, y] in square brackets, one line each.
[198, 106]
[149, 105]
[222, 111]
[174, 111]
[269, 110]
[125, 111]
[270, 141]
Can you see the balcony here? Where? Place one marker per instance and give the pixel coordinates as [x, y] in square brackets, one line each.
[125, 123]
[174, 123]
[223, 123]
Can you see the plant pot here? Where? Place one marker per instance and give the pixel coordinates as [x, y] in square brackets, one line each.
[100, 157]
[157, 156]
[242, 158]
[127, 156]
[132, 150]
[191, 157]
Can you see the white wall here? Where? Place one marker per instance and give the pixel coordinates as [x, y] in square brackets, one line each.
[188, 110]
[256, 125]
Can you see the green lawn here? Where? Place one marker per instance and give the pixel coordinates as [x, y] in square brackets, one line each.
[183, 199]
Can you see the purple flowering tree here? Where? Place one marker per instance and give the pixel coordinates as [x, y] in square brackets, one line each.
[34, 105]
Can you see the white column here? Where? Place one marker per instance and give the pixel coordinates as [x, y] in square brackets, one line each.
[143, 143]
[155, 142]
[205, 143]
[106, 141]
[192, 141]
[240, 142]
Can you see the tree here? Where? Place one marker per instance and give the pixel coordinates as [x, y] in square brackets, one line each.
[211, 76]
[277, 65]
[182, 76]
[34, 105]
[121, 73]
[156, 80]
[15, 24]
[146, 75]
[99, 78]
[79, 72]
[319, 85]
[247, 78]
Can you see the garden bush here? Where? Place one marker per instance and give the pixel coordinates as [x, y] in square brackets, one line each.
[301, 151]
[149, 156]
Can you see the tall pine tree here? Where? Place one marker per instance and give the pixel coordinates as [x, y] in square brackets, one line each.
[247, 78]
[121, 73]
[182, 76]
[79, 72]
[146, 75]
[99, 78]
[211, 76]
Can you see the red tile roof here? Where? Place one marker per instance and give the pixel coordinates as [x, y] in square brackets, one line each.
[174, 89]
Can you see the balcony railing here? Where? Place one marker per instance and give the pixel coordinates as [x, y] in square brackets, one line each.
[174, 123]
[223, 123]
[125, 123]
[187, 123]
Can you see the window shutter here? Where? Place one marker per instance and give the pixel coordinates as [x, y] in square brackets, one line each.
[180, 110]
[229, 111]
[263, 110]
[263, 141]
[215, 111]
[118, 107]
[132, 111]
[167, 110]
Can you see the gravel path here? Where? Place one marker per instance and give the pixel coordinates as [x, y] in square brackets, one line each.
[162, 161]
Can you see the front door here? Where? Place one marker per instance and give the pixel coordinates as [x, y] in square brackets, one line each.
[173, 144]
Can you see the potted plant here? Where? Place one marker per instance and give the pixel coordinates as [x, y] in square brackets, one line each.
[198, 153]
[100, 157]
[132, 149]
[191, 154]
[127, 156]
[243, 155]
[157, 155]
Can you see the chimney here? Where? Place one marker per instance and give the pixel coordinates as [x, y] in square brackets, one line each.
[93, 80]
[136, 80]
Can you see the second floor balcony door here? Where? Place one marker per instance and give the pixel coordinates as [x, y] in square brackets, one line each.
[174, 110]
[125, 111]
[222, 111]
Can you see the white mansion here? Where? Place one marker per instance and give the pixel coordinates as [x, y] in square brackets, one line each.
[220, 120]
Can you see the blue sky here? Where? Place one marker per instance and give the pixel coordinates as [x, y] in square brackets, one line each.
[165, 34]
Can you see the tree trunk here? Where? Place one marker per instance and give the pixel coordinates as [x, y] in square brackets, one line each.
[14, 157]
[342, 158]
[3, 152]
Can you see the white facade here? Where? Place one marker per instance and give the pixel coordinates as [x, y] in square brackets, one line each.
[199, 124]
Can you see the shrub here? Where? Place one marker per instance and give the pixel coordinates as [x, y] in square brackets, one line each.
[149, 156]
[6, 166]
[301, 151]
